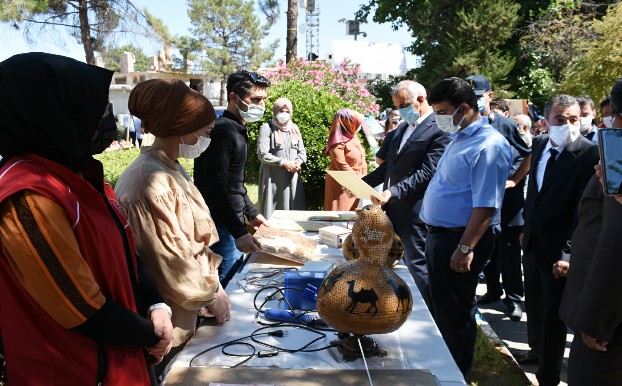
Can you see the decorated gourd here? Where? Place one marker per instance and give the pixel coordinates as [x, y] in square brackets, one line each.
[364, 296]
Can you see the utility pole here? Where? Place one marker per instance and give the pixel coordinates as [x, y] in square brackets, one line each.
[292, 31]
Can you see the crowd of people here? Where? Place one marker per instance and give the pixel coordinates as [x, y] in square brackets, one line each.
[107, 285]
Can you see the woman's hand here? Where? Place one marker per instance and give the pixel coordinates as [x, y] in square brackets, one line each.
[291, 166]
[163, 328]
[221, 308]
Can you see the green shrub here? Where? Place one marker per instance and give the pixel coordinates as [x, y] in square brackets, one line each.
[313, 113]
[115, 163]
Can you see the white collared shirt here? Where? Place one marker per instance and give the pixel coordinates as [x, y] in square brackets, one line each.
[546, 154]
[411, 129]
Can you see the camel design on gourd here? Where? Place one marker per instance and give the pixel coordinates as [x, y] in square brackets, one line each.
[330, 281]
[402, 294]
[362, 296]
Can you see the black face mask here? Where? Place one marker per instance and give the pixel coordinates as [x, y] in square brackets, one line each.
[105, 134]
[395, 121]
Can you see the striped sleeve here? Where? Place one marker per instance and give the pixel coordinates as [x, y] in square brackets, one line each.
[40, 246]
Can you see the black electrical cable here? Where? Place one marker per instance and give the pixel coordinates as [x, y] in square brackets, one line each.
[320, 334]
[219, 345]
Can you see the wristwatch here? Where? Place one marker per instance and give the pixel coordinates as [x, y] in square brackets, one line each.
[465, 249]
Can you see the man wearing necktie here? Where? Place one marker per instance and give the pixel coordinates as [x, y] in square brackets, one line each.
[562, 163]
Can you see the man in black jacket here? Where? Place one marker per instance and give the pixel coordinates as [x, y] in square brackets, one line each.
[563, 162]
[412, 155]
[219, 171]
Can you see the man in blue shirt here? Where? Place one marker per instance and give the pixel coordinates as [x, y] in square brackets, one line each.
[460, 206]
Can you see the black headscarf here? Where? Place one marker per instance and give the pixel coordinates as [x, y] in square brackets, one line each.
[51, 105]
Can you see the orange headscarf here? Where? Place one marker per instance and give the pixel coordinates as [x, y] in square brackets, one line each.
[170, 108]
[343, 128]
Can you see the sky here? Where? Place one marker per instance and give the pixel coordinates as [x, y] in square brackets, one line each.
[174, 15]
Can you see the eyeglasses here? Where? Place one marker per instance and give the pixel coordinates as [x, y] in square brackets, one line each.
[254, 77]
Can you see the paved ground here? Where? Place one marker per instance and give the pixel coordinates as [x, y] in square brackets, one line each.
[514, 334]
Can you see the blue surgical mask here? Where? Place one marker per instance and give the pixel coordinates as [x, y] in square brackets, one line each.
[481, 105]
[253, 114]
[409, 114]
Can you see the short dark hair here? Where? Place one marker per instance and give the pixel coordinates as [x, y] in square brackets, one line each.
[241, 82]
[605, 102]
[616, 97]
[500, 104]
[455, 91]
[562, 100]
[585, 100]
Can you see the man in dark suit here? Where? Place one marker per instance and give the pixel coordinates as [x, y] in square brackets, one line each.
[592, 304]
[410, 162]
[563, 162]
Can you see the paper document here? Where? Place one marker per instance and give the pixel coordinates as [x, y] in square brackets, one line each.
[354, 183]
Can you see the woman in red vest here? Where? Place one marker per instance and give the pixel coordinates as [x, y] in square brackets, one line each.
[76, 308]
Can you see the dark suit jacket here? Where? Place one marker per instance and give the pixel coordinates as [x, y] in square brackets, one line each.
[592, 300]
[409, 171]
[514, 198]
[550, 214]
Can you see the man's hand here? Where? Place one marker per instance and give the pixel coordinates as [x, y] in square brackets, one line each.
[347, 192]
[386, 196]
[163, 328]
[593, 343]
[247, 244]
[460, 262]
[221, 308]
[599, 173]
[509, 184]
[259, 221]
[561, 268]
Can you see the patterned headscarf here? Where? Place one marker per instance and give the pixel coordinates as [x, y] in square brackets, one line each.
[170, 108]
[343, 128]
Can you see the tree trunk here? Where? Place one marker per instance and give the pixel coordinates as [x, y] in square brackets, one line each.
[85, 31]
[223, 92]
[292, 31]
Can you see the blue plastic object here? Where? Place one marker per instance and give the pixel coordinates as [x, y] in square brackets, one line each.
[301, 289]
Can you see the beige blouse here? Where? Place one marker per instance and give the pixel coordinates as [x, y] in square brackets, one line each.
[173, 229]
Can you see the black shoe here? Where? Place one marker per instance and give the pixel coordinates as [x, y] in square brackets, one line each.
[516, 313]
[488, 298]
[528, 357]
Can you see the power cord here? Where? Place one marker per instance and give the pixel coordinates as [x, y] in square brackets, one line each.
[273, 350]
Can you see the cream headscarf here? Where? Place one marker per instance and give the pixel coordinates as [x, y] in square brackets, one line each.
[287, 126]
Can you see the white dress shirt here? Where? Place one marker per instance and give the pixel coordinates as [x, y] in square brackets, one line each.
[546, 154]
[411, 129]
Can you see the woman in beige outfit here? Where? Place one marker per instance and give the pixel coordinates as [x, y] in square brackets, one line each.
[170, 220]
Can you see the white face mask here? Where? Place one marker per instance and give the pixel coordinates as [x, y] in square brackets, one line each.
[283, 117]
[564, 135]
[446, 122]
[585, 124]
[608, 121]
[254, 113]
[193, 151]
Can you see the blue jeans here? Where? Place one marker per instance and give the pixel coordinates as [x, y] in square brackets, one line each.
[226, 248]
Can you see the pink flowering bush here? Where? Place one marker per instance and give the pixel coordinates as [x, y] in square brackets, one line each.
[341, 81]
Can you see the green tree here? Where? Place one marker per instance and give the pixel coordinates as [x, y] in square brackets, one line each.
[90, 22]
[112, 57]
[188, 48]
[231, 35]
[595, 71]
[452, 38]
